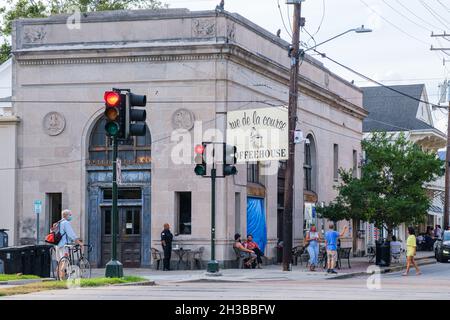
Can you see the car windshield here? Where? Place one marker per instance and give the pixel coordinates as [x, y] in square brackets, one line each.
[446, 236]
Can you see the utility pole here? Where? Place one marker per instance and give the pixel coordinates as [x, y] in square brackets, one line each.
[293, 100]
[447, 154]
[447, 172]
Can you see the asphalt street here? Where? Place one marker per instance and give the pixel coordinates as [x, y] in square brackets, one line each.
[434, 283]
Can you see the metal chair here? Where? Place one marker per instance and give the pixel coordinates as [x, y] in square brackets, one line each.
[157, 257]
[240, 261]
[396, 253]
[344, 253]
[296, 253]
[371, 253]
[196, 258]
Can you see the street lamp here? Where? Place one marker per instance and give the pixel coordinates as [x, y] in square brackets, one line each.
[361, 29]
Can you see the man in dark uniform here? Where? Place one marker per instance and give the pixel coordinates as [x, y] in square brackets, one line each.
[166, 242]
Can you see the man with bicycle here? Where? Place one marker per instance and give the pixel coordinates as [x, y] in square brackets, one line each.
[68, 234]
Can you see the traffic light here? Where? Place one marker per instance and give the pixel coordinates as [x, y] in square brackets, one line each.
[229, 161]
[135, 118]
[112, 112]
[200, 167]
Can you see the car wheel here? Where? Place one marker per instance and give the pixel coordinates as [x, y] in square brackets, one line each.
[438, 257]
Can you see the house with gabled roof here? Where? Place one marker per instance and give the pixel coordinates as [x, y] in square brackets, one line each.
[407, 112]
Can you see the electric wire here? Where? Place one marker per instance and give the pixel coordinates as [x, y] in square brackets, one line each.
[406, 17]
[418, 17]
[443, 5]
[377, 82]
[282, 19]
[438, 17]
[394, 25]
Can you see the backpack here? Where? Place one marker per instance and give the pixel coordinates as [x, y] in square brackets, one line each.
[55, 236]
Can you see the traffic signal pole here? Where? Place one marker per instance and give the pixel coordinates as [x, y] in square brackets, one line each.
[289, 175]
[229, 162]
[213, 265]
[114, 269]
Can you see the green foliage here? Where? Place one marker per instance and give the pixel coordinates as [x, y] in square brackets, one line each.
[10, 277]
[390, 191]
[16, 9]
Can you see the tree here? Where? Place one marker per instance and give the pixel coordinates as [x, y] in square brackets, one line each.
[390, 191]
[15, 9]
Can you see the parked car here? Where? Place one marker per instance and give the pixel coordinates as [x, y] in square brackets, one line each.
[442, 247]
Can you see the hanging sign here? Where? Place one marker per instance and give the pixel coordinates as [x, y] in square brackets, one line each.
[259, 134]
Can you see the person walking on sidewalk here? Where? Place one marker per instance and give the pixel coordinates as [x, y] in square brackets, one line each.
[411, 246]
[331, 238]
[166, 243]
[312, 245]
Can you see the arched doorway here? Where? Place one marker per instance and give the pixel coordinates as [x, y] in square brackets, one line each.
[133, 201]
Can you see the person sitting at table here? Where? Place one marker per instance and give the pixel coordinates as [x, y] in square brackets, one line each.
[248, 255]
[252, 245]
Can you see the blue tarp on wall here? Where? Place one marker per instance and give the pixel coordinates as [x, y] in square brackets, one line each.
[256, 221]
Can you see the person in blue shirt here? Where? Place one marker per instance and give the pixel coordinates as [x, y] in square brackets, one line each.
[68, 234]
[331, 238]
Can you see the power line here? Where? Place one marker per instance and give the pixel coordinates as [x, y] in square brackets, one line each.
[80, 160]
[443, 5]
[282, 19]
[393, 25]
[418, 17]
[406, 17]
[434, 14]
[322, 19]
[376, 82]
[288, 17]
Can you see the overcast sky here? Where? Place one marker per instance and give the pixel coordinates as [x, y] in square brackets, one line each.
[396, 52]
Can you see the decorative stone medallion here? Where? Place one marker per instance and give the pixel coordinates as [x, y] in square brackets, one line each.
[183, 119]
[54, 123]
[34, 35]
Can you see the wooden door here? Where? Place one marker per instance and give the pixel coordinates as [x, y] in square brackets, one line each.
[129, 236]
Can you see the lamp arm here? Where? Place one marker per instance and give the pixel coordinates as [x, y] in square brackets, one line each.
[319, 44]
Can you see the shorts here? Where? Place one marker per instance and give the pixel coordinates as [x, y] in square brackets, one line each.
[60, 252]
[332, 256]
[247, 255]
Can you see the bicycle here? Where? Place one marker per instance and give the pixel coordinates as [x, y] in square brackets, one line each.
[74, 261]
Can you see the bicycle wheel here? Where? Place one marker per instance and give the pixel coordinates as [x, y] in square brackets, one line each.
[85, 268]
[63, 269]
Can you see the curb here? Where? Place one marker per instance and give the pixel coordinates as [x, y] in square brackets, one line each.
[382, 271]
[140, 283]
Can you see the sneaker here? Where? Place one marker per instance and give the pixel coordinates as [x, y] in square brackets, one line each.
[328, 270]
[332, 271]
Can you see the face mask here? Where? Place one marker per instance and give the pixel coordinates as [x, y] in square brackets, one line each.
[69, 218]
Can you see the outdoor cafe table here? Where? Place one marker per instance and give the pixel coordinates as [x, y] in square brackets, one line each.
[180, 252]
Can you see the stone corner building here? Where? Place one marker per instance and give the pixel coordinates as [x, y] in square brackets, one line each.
[192, 66]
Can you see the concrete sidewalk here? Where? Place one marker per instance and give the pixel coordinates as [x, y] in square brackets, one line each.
[359, 267]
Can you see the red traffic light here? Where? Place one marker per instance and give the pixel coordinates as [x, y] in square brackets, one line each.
[199, 149]
[112, 98]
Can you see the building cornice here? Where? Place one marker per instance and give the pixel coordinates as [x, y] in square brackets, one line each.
[203, 50]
